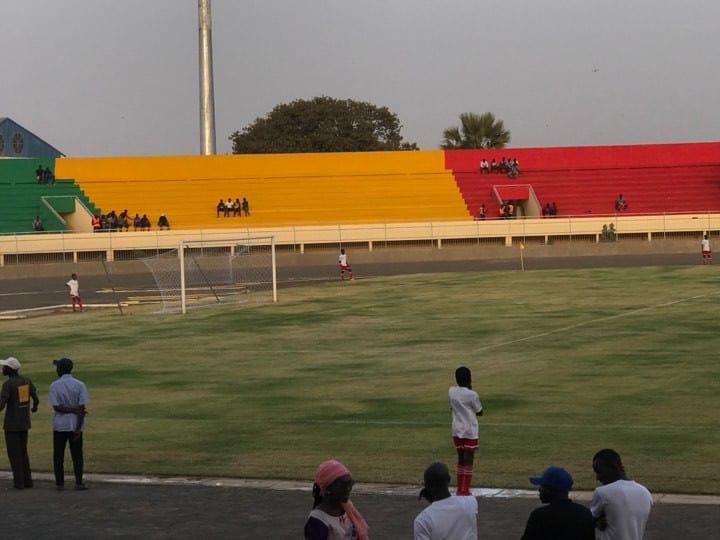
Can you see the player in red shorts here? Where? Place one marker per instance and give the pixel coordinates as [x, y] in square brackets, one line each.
[344, 267]
[466, 407]
[706, 252]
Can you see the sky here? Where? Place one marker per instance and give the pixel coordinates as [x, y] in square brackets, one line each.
[120, 77]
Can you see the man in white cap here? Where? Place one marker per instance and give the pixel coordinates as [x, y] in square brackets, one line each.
[15, 397]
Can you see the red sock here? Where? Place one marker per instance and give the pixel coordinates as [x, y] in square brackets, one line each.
[467, 479]
[460, 479]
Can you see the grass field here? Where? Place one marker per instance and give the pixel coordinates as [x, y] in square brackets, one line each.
[566, 362]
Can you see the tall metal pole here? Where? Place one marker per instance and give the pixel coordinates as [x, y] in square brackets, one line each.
[207, 92]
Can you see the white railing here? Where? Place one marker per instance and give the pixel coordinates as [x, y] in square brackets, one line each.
[51, 247]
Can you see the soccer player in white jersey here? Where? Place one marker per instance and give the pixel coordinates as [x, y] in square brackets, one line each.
[621, 507]
[74, 292]
[466, 407]
[344, 267]
[706, 252]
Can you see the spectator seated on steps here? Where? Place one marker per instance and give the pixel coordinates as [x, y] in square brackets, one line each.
[163, 223]
[620, 203]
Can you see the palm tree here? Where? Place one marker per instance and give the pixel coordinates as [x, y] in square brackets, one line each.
[476, 131]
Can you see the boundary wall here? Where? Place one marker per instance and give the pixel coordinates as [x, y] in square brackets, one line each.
[34, 248]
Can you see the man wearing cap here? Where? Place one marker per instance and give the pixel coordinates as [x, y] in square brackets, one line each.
[560, 518]
[16, 394]
[68, 397]
[447, 516]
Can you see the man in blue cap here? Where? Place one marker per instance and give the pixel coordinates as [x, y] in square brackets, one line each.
[560, 518]
[68, 397]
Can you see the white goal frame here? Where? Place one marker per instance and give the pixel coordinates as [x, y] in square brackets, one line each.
[223, 270]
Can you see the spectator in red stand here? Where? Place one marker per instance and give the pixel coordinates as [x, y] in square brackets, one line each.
[553, 210]
[493, 165]
[620, 203]
[484, 166]
[547, 211]
[482, 212]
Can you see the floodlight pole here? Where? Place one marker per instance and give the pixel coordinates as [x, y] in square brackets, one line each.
[207, 92]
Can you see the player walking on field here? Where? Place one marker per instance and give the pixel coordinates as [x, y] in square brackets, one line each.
[466, 407]
[344, 267]
[706, 252]
[74, 292]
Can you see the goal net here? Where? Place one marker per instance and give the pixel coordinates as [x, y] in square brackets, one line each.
[202, 273]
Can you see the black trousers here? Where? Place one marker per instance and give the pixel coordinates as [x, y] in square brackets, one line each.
[16, 445]
[60, 440]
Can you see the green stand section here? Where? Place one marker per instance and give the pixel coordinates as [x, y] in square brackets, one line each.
[22, 197]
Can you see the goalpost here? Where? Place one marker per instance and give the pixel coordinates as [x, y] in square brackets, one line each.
[202, 273]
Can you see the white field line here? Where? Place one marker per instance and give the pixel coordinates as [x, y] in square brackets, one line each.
[594, 427]
[595, 321]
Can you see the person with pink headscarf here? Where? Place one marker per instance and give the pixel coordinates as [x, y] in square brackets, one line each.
[333, 516]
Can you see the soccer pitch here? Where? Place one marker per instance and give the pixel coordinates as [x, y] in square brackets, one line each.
[566, 362]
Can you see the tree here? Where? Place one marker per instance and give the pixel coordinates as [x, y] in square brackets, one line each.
[322, 124]
[476, 131]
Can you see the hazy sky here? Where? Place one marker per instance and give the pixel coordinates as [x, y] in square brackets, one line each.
[120, 77]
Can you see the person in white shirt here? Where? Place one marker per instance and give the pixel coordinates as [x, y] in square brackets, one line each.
[447, 516]
[466, 407]
[344, 266]
[74, 292]
[706, 252]
[621, 507]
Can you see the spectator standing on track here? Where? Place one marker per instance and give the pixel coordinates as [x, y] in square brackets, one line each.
[344, 266]
[560, 518]
[466, 407]
[333, 516]
[621, 507]
[15, 397]
[706, 251]
[447, 516]
[74, 286]
[68, 397]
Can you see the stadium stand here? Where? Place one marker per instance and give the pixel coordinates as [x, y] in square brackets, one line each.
[22, 197]
[660, 178]
[365, 187]
[284, 189]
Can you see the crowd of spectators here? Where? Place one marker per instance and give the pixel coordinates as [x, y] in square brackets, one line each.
[119, 222]
[234, 208]
[549, 210]
[44, 176]
[511, 167]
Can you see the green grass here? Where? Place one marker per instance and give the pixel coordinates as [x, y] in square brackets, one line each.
[566, 363]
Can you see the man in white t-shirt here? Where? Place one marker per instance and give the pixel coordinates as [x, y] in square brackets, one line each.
[447, 516]
[621, 507]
